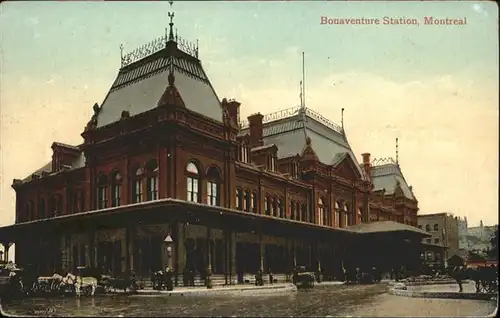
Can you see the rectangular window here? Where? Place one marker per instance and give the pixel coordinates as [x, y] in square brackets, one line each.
[212, 193]
[436, 241]
[152, 188]
[137, 191]
[428, 241]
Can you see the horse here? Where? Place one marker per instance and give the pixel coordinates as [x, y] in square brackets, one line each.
[86, 284]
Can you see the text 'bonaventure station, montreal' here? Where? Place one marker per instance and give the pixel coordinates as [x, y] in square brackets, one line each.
[163, 156]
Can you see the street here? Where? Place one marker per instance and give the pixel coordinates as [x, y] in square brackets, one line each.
[343, 300]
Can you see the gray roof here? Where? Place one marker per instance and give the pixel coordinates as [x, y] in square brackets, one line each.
[289, 129]
[78, 162]
[139, 86]
[387, 176]
[384, 226]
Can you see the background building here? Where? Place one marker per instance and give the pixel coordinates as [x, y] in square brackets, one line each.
[462, 232]
[444, 230]
[478, 238]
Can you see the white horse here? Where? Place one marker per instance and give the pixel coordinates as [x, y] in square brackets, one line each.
[81, 283]
[56, 281]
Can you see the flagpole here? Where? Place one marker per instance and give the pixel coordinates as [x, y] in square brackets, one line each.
[303, 80]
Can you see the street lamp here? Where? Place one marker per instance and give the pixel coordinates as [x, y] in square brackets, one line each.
[168, 273]
[168, 240]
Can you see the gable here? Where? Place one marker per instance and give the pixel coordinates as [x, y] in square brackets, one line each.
[346, 169]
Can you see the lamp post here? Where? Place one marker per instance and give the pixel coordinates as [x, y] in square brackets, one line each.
[169, 272]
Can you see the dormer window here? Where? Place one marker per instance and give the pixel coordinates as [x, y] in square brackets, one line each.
[243, 155]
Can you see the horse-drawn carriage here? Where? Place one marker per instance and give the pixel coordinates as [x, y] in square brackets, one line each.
[11, 280]
[485, 278]
[303, 279]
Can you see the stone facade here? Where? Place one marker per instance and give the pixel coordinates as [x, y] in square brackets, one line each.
[444, 230]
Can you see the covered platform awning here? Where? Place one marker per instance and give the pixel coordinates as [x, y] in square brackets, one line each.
[173, 210]
[386, 227]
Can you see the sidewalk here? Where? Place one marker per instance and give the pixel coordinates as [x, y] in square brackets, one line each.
[278, 288]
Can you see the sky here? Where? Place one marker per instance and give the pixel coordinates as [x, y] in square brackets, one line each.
[434, 87]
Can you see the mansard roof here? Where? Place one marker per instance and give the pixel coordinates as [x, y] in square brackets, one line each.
[78, 162]
[386, 174]
[140, 85]
[290, 128]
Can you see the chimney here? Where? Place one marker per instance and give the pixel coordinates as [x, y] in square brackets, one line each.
[233, 108]
[255, 123]
[366, 163]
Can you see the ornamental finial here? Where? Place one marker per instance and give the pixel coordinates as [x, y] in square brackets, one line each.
[171, 24]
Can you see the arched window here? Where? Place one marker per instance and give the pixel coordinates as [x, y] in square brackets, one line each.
[76, 202]
[321, 212]
[55, 205]
[116, 180]
[338, 214]
[254, 202]
[41, 209]
[275, 207]
[298, 215]
[248, 201]
[304, 212]
[281, 207]
[292, 210]
[30, 211]
[193, 182]
[151, 171]
[213, 186]
[346, 215]
[436, 227]
[102, 186]
[137, 191]
[267, 205]
[239, 199]
[427, 228]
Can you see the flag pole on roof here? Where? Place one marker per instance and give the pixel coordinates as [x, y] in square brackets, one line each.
[303, 81]
[397, 152]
